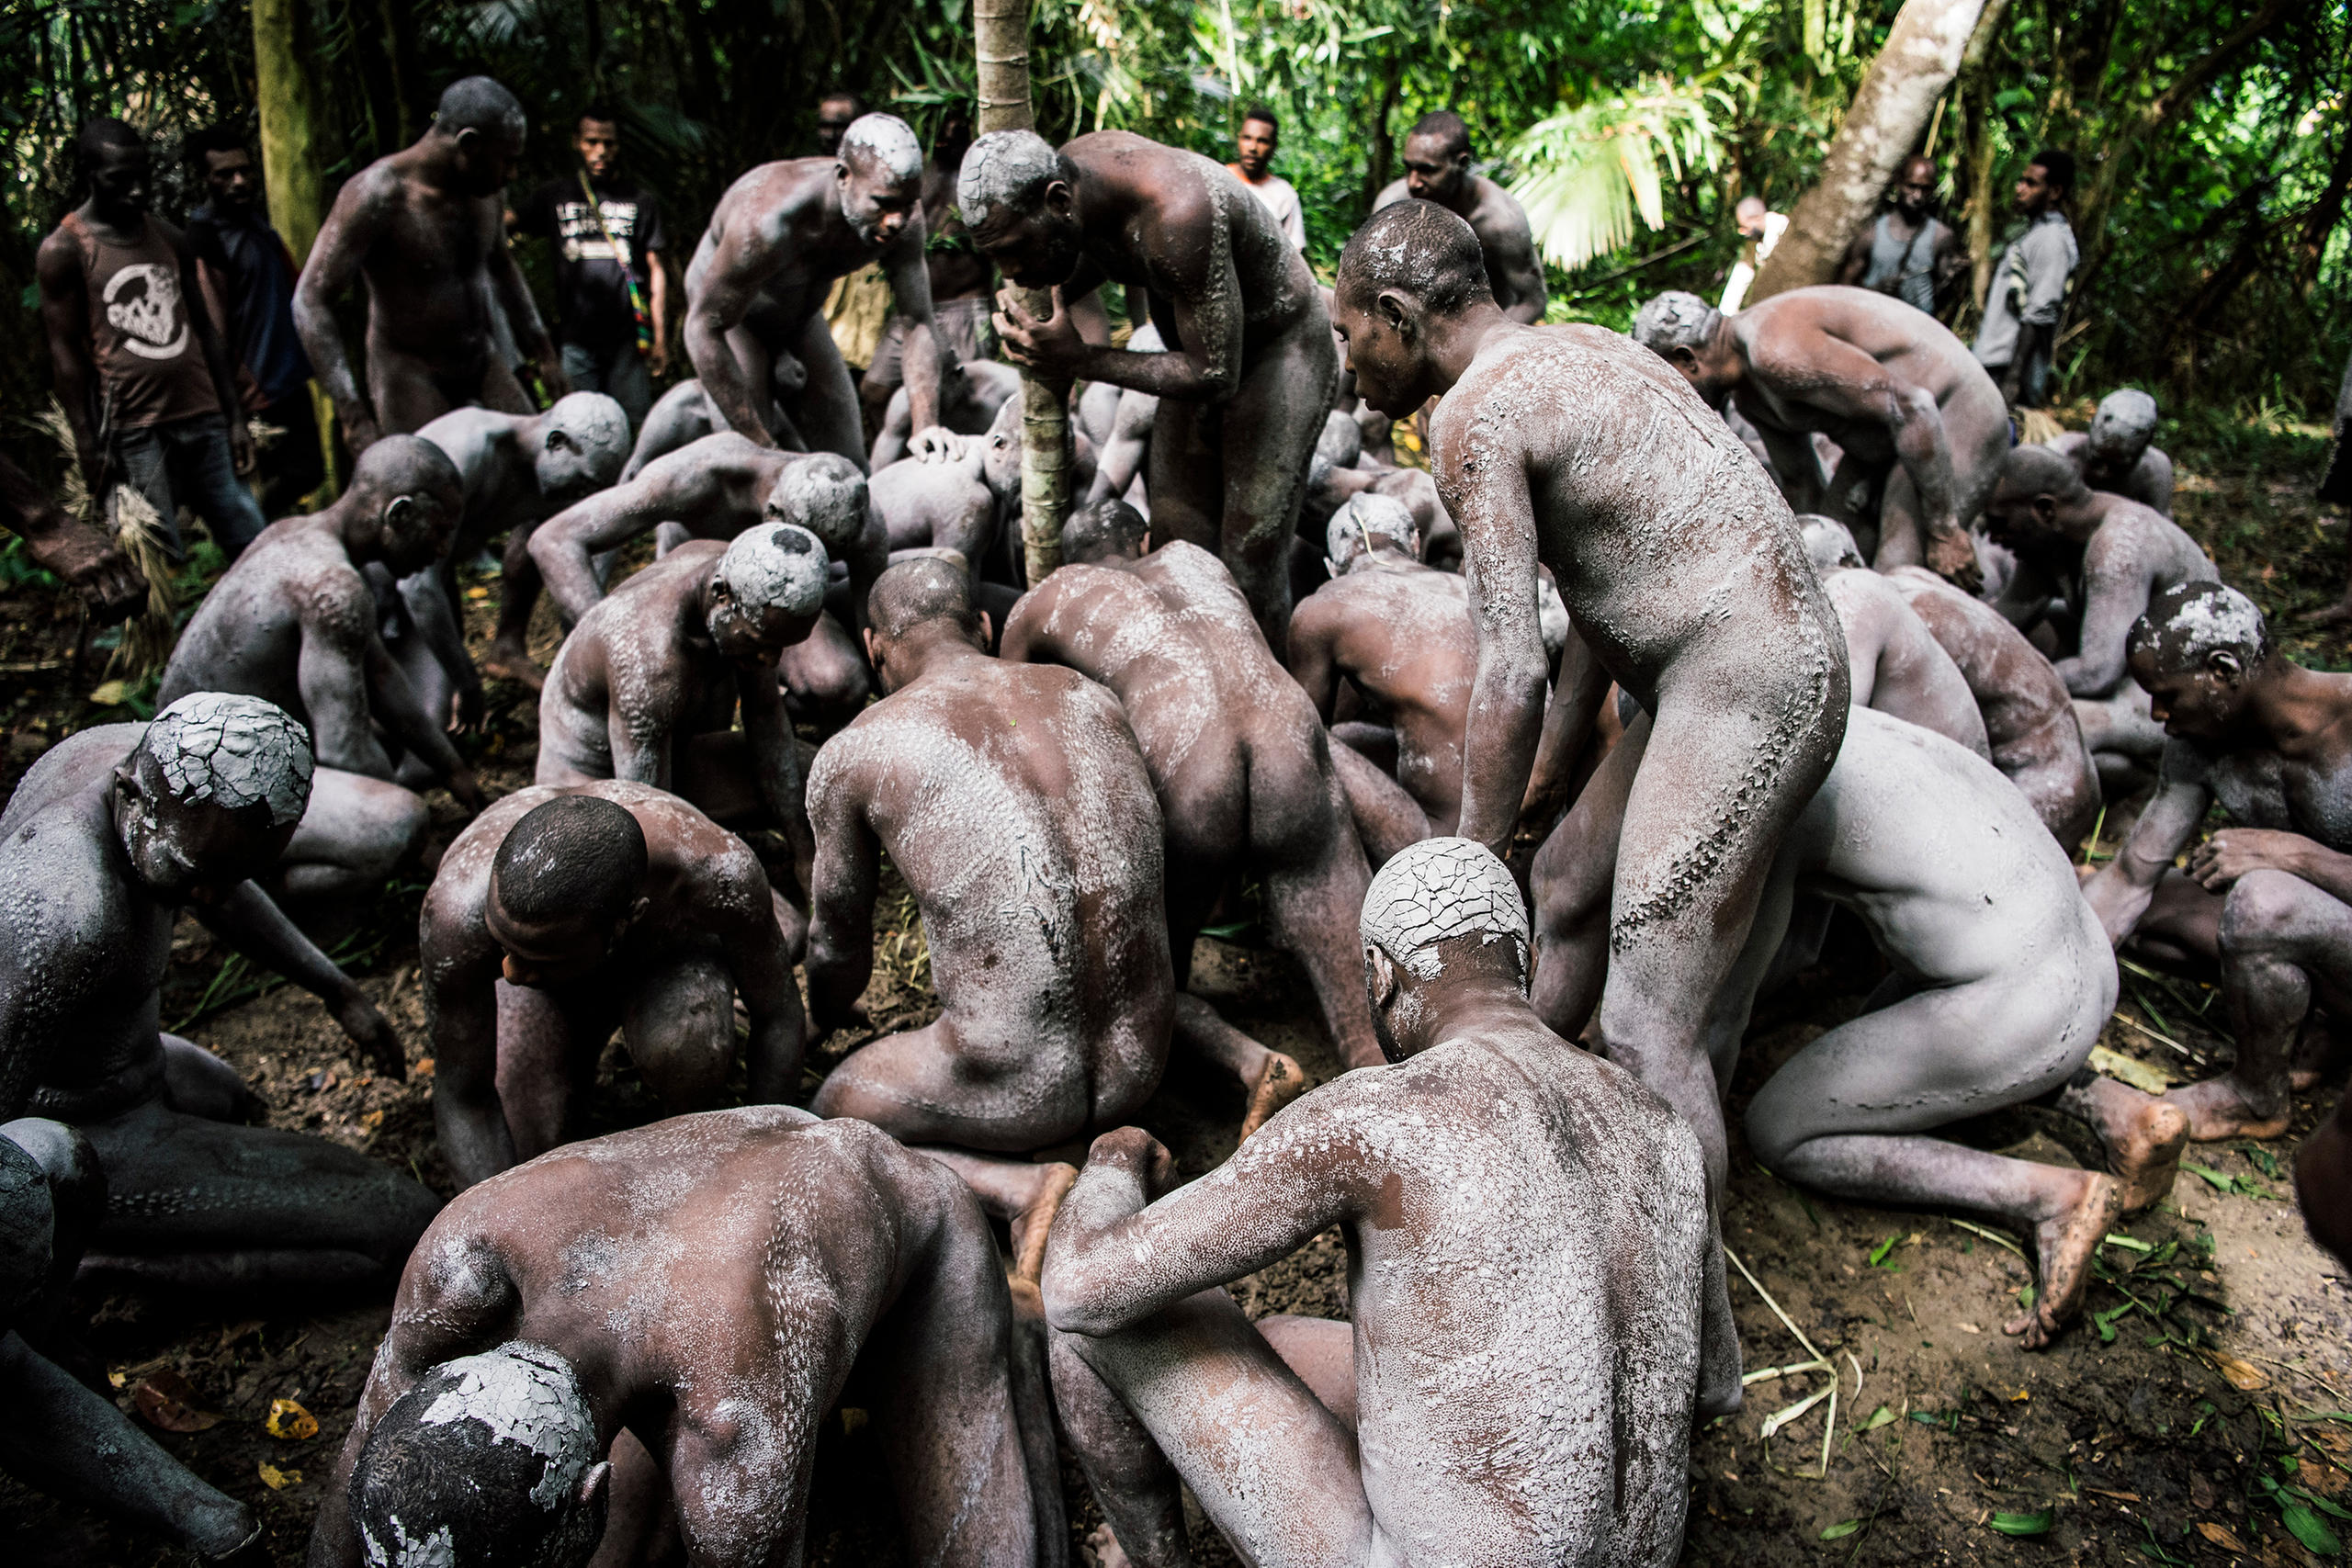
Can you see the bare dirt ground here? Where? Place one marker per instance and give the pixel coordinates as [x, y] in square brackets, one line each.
[2200, 1411]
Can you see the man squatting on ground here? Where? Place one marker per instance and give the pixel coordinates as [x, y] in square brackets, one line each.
[755, 289]
[294, 623]
[1015, 803]
[715, 488]
[1920, 422]
[103, 842]
[646, 687]
[553, 1382]
[1518, 1216]
[1248, 379]
[1239, 763]
[561, 914]
[426, 228]
[2115, 454]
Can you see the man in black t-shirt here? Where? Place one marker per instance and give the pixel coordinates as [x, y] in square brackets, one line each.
[599, 253]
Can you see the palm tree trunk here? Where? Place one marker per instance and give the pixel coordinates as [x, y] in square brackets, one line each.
[1000, 42]
[1884, 124]
[290, 160]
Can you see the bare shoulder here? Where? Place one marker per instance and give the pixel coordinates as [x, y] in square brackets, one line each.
[1499, 212]
[462, 882]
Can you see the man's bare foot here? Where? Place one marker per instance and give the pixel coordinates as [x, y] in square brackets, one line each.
[1030, 1226]
[2064, 1247]
[2217, 1110]
[1279, 1081]
[509, 662]
[2143, 1135]
[1108, 1552]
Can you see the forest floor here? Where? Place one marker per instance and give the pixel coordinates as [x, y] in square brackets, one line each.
[2199, 1412]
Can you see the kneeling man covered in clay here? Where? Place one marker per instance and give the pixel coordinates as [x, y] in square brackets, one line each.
[555, 1378]
[561, 914]
[1015, 803]
[1240, 763]
[1529, 1252]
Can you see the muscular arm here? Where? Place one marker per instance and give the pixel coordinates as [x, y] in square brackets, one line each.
[1510, 263]
[436, 622]
[64, 314]
[1111, 1262]
[1497, 520]
[1314, 636]
[840, 920]
[1844, 381]
[762, 970]
[2115, 594]
[1577, 696]
[910, 277]
[1207, 369]
[678, 486]
[395, 702]
[775, 764]
[333, 673]
[1123, 454]
[461, 966]
[2118, 893]
[343, 241]
[249, 920]
[1857, 259]
[742, 259]
[523, 315]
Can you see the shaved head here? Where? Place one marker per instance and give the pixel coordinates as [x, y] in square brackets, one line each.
[2189, 622]
[478, 103]
[1444, 128]
[2038, 470]
[1007, 169]
[1677, 320]
[914, 591]
[1367, 518]
[408, 465]
[1104, 530]
[1418, 249]
[824, 493]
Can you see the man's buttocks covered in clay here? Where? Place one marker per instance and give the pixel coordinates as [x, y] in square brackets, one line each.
[1534, 1309]
[1250, 366]
[632, 1344]
[1014, 801]
[105, 839]
[424, 227]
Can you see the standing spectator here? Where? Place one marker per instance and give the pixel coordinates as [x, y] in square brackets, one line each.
[836, 112]
[146, 384]
[1910, 254]
[1260, 133]
[612, 288]
[2020, 332]
[1760, 229]
[249, 277]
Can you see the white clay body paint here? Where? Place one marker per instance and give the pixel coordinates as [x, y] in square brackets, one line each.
[776, 566]
[1436, 890]
[823, 493]
[525, 1395]
[889, 142]
[233, 751]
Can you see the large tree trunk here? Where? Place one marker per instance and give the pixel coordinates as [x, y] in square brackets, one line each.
[1000, 39]
[290, 159]
[1889, 113]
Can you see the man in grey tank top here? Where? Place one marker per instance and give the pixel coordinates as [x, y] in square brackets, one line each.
[1910, 254]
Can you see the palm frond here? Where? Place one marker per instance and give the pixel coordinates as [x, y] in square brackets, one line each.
[1587, 174]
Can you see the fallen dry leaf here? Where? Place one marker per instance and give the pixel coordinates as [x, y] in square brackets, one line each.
[2220, 1536]
[2243, 1375]
[2021, 1396]
[1970, 1329]
[290, 1421]
[424, 1068]
[278, 1480]
[165, 1401]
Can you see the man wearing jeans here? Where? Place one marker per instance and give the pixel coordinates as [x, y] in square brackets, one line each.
[249, 286]
[600, 250]
[142, 376]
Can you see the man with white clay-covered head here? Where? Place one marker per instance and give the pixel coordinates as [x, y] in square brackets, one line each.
[2116, 455]
[1534, 1302]
[714, 488]
[555, 1382]
[1249, 366]
[102, 847]
[757, 286]
[646, 685]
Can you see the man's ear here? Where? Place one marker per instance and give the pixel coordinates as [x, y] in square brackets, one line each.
[2045, 507]
[1060, 198]
[1147, 541]
[557, 440]
[1383, 976]
[2226, 664]
[397, 510]
[636, 913]
[873, 646]
[595, 1487]
[988, 634]
[1684, 358]
[469, 138]
[1396, 311]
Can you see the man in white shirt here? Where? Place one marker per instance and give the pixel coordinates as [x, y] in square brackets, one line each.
[2019, 334]
[1259, 131]
[1761, 229]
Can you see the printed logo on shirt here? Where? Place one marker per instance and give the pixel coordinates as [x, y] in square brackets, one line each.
[143, 303]
[583, 241]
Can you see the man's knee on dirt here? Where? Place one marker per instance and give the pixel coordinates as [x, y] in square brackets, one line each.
[2276, 914]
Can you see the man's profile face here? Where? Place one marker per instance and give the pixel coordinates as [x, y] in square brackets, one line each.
[1255, 147]
[1433, 172]
[183, 851]
[2016, 518]
[599, 142]
[1388, 366]
[833, 117]
[1035, 250]
[2035, 193]
[2199, 703]
[564, 469]
[486, 159]
[2112, 447]
[122, 178]
[877, 203]
[554, 953]
[1917, 189]
[231, 179]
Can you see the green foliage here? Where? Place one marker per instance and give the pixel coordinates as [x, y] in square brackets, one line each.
[1585, 175]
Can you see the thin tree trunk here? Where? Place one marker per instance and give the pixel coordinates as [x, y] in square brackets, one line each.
[1384, 142]
[290, 159]
[1000, 47]
[1889, 113]
[1984, 195]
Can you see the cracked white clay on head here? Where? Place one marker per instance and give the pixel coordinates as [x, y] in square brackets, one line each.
[887, 141]
[233, 751]
[2125, 424]
[1436, 890]
[1676, 320]
[595, 424]
[776, 566]
[1365, 518]
[528, 1394]
[826, 495]
[2193, 621]
[1004, 168]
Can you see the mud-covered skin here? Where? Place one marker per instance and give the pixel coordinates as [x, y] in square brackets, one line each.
[1894, 388]
[2030, 722]
[640, 690]
[85, 941]
[1404, 635]
[425, 228]
[972, 407]
[518, 470]
[2101, 556]
[1685, 577]
[2271, 896]
[1243, 389]
[958, 497]
[511, 1059]
[1238, 757]
[1014, 801]
[294, 621]
[1896, 665]
[756, 288]
[718, 1282]
[1529, 1252]
[2147, 480]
